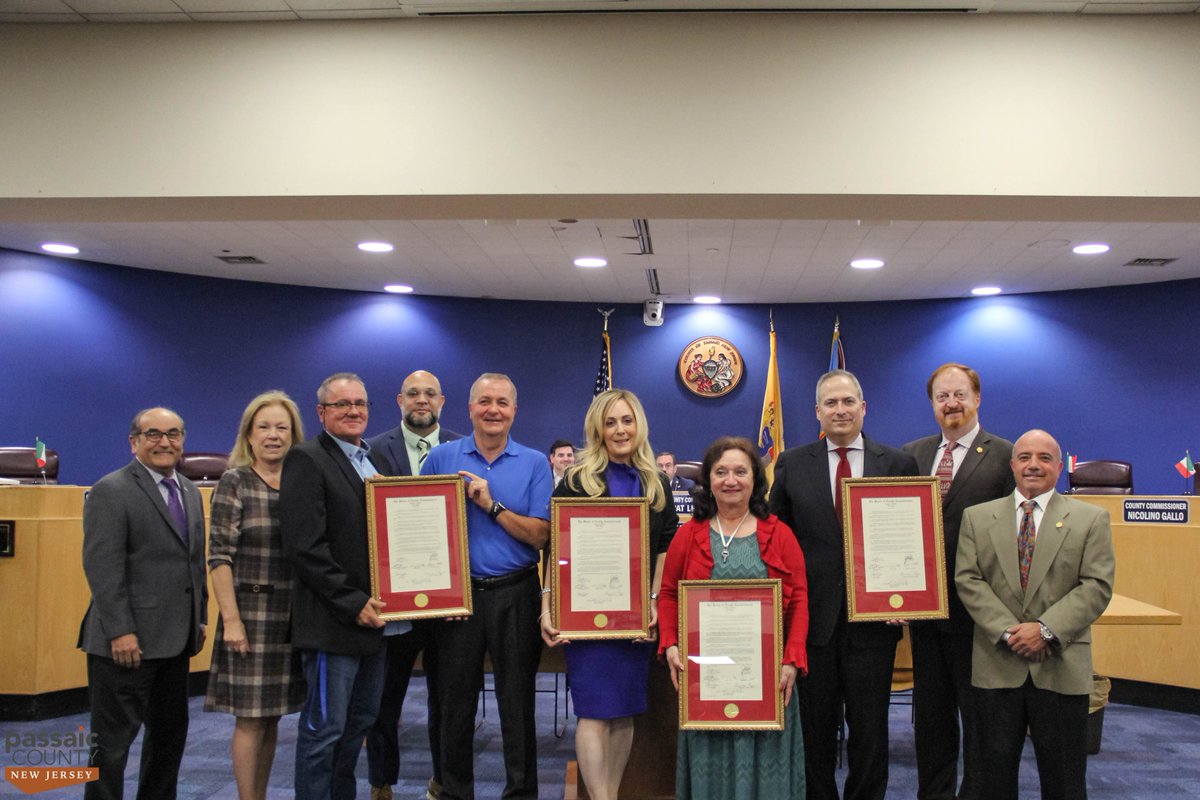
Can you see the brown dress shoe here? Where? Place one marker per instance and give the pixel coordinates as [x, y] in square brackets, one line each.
[381, 793]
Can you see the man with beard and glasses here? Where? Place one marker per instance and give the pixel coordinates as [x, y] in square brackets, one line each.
[421, 401]
[972, 467]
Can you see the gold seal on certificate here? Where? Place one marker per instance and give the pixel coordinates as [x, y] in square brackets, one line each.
[896, 601]
[421, 600]
[731, 710]
[601, 620]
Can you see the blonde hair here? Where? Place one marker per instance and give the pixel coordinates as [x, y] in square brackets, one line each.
[588, 471]
[242, 455]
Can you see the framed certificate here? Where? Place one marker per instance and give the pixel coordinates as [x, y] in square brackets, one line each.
[895, 551]
[417, 528]
[600, 567]
[731, 646]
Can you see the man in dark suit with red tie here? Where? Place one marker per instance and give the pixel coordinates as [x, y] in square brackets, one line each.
[143, 555]
[972, 467]
[848, 664]
[421, 401]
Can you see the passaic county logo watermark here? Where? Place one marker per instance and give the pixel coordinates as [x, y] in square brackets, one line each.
[42, 761]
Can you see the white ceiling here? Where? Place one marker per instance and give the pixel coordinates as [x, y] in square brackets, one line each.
[742, 260]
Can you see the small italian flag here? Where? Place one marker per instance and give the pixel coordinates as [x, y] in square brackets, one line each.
[39, 452]
[1185, 466]
[1071, 461]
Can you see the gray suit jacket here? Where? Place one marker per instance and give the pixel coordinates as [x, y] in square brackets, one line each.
[984, 474]
[1070, 584]
[143, 579]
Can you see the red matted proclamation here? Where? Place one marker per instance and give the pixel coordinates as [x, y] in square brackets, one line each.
[895, 551]
[731, 647]
[600, 563]
[420, 566]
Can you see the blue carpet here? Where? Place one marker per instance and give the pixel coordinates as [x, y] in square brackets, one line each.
[1145, 754]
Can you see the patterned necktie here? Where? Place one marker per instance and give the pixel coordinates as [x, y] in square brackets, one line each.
[1025, 541]
[423, 449]
[843, 472]
[945, 468]
[176, 508]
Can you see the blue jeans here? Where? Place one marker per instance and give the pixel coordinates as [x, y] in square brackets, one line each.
[342, 702]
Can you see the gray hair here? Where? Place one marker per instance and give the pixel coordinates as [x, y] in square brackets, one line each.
[323, 389]
[492, 376]
[838, 373]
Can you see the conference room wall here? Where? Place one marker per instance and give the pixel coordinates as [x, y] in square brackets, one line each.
[84, 345]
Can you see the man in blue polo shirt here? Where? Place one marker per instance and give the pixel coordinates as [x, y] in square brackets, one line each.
[508, 522]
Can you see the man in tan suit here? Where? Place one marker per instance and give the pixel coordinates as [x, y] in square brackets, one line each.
[1034, 570]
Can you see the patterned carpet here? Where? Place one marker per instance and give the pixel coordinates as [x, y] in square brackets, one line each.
[1145, 754]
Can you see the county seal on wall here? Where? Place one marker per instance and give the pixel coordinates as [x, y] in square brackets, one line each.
[710, 366]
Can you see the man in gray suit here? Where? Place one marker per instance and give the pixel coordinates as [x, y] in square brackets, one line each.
[1035, 570]
[143, 555]
[972, 466]
[421, 401]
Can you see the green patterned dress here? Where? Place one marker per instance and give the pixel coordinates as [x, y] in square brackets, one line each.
[725, 765]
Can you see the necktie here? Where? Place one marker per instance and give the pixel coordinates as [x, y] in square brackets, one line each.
[843, 472]
[945, 468]
[423, 449]
[1025, 541]
[176, 508]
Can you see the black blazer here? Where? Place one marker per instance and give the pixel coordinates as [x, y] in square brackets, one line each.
[662, 523]
[323, 523]
[985, 474]
[801, 498]
[392, 445]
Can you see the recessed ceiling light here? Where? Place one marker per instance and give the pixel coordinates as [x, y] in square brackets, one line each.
[1090, 249]
[62, 249]
[398, 288]
[591, 261]
[375, 247]
[866, 263]
[708, 299]
[983, 291]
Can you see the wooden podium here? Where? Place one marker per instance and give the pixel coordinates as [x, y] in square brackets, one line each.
[44, 594]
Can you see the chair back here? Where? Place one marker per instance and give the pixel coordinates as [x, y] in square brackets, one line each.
[688, 469]
[203, 469]
[20, 463]
[1101, 477]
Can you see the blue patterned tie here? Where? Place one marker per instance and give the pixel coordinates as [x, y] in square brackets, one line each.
[1025, 541]
[176, 508]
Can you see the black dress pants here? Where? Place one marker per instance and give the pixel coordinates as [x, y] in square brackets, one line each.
[861, 677]
[505, 626]
[1057, 724]
[941, 692]
[383, 742]
[123, 700]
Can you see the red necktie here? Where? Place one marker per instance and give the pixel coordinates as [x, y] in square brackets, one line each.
[843, 472]
[1025, 541]
[945, 468]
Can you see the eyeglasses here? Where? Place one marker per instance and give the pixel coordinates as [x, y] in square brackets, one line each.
[346, 405]
[959, 395]
[155, 435]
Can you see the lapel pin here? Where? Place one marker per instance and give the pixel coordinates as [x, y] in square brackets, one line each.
[1058, 524]
[979, 449]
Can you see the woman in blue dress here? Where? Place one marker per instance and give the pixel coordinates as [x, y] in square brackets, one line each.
[609, 678]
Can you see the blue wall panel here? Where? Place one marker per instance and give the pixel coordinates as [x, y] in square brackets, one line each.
[84, 345]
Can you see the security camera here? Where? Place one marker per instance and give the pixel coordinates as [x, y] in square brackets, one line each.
[652, 312]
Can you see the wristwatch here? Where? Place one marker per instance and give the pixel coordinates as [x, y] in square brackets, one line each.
[1047, 634]
[495, 510]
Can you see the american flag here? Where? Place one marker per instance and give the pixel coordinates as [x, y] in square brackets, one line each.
[604, 374]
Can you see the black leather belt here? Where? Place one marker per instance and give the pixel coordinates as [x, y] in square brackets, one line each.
[256, 588]
[498, 581]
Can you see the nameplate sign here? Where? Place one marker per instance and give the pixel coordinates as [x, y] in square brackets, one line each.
[1171, 512]
[683, 503]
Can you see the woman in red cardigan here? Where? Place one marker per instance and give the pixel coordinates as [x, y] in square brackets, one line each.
[732, 535]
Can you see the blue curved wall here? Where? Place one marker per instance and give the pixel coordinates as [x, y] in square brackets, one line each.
[83, 346]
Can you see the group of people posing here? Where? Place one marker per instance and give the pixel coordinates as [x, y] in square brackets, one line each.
[299, 629]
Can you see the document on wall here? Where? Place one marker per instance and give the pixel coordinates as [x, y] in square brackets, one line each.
[893, 547]
[418, 544]
[731, 656]
[600, 564]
